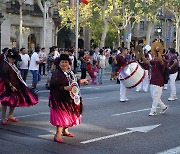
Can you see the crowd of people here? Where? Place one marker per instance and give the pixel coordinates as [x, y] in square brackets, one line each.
[61, 66]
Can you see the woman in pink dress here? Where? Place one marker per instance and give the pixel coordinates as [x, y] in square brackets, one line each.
[65, 102]
[13, 90]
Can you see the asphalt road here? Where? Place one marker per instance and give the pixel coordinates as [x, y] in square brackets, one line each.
[104, 128]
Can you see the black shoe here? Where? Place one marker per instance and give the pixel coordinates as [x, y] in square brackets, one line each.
[47, 87]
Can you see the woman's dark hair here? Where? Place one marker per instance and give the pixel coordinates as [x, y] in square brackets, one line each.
[37, 49]
[51, 50]
[94, 62]
[81, 53]
[123, 49]
[5, 50]
[101, 51]
[172, 50]
[71, 50]
[12, 54]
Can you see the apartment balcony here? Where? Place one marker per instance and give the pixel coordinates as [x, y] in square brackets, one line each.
[14, 7]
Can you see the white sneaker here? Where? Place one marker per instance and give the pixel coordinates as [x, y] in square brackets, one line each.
[137, 90]
[145, 91]
[122, 100]
[175, 98]
[164, 110]
[172, 99]
[165, 88]
[153, 113]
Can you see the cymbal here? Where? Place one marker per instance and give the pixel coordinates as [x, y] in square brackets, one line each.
[154, 47]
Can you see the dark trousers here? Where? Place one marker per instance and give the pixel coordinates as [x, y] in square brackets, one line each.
[166, 75]
[42, 66]
[24, 73]
[83, 73]
[178, 76]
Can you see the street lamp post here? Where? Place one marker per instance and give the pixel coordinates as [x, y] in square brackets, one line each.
[1, 20]
[159, 31]
[77, 27]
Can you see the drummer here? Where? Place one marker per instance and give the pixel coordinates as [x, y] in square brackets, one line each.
[119, 61]
[145, 83]
[156, 81]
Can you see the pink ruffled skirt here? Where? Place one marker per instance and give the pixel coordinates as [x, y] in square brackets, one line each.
[63, 118]
[20, 99]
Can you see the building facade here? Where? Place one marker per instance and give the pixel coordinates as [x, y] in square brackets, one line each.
[32, 26]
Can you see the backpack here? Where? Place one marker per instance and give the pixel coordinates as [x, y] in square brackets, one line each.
[110, 60]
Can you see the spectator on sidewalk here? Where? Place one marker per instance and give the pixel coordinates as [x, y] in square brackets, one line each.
[34, 67]
[101, 65]
[73, 60]
[56, 54]
[24, 63]
[83, 60]
[42, 66]
[96, 54]
[50, 66]
[95, 72]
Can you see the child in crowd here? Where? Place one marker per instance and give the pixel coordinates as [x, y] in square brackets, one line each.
[95, 71]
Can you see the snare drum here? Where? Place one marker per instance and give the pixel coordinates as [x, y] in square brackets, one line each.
[131, 74]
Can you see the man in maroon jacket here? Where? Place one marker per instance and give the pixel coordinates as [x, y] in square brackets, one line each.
[173, 72]
[156, 82]
[119, 61]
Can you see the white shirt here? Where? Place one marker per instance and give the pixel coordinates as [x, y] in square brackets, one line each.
[95, 56]
[33, 65]
[72, 62]
[42, 55]
[25, 60]
[56, 54]
[102, 61]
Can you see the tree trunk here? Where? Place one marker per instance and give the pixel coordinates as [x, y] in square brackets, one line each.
[104, 33]
[119, 38]
[20, 25]
[149, 30]
[177, 36]
[44, 26]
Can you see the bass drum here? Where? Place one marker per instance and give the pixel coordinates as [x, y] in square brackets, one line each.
[131, 74]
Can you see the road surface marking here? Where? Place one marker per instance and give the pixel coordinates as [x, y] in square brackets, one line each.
[47, 100]
[143, 129]
[175, 150]
[118, 114]
[91, 98]
[85, 87]
[30, 115]
[131, 112]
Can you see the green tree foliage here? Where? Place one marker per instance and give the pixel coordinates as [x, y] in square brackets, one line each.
[69, 13]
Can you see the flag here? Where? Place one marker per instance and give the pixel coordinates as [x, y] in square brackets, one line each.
[85, 1]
